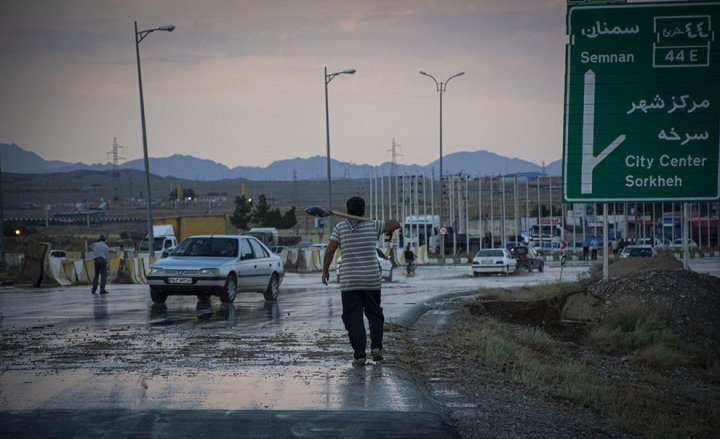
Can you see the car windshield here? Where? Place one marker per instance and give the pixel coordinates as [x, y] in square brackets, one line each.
[490, 254]
[215, 247]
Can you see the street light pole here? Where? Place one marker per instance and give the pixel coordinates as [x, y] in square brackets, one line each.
[139, 36]
[328, 78]
[441, 87]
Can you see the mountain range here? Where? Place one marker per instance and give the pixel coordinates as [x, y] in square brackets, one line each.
[476, 163]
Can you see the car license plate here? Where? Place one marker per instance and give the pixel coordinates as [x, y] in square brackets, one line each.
[179, 280]
[487, 261]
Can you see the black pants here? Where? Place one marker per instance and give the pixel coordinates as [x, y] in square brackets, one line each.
[355, 303]
[101, 272]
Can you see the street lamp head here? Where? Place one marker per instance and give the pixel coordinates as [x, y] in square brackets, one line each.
[349, 71]
[423, 73]
[167, 28]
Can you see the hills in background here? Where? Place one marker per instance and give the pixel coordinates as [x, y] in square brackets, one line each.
[476, 163]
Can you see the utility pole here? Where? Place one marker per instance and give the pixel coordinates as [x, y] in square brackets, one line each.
[114, 153]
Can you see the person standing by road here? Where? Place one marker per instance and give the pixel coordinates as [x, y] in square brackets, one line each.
[100, 251]
[593, 248]
[410, 259]
[360, 278]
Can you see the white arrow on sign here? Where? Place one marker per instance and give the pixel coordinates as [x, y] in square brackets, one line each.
[589, 160]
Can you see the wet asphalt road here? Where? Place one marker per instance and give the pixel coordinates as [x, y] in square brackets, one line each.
[76, 365]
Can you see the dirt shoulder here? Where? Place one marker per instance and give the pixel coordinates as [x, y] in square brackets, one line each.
[513, 371]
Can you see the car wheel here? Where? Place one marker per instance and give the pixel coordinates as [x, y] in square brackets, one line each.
[227, 295]
[541, 268]
[157, 296]
[273, 288]
[476, 274]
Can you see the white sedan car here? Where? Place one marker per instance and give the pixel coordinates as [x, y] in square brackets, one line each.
[632, 251]
[678, 243]
[493, 260]
[386, 267]
[216, 264]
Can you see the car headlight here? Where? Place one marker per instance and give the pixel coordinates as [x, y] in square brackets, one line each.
[155, 271]
[209, 272]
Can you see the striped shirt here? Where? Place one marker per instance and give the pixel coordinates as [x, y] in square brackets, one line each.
[359, 268]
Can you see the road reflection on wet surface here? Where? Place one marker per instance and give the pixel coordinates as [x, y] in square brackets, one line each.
[66, 350]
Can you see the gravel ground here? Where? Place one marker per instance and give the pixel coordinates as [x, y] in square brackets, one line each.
[482, 401]
[487, 401]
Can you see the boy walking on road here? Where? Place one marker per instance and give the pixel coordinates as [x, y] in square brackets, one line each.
[360, 278]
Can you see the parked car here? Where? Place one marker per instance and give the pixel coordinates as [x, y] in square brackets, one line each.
[386, 267]
[657, 243]
[547, 246]
[59, 254]
[527, 258]
[493, 260]
[631, 251]
[221, 265]
[511, 244]
[678, 243]
[277, 249]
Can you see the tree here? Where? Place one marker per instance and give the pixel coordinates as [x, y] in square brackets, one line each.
[260, 214]
[289, 219]
[242, 215]
[264, 216]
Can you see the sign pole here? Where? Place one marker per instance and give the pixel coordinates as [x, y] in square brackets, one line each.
[606, 256]
[685, 233]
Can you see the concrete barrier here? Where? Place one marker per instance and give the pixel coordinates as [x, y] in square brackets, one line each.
[67, 271]
[33, 264]
[55, 269]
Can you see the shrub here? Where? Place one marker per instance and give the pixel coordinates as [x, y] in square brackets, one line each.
[643, 333]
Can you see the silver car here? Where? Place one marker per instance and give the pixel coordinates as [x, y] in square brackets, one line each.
[493, 260]
[216, 264]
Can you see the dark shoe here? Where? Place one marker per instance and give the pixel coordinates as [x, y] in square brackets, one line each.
[93, 293]
[104, 292]
[359, 362]
[377, 354]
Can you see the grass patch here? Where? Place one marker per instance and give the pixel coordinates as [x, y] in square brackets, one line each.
[642, 400]
[548, 291]
[537, 339]
[642, 333]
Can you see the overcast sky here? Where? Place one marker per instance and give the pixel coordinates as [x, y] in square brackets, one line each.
[241, 82]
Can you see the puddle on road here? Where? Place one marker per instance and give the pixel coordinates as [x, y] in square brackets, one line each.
[333, 387]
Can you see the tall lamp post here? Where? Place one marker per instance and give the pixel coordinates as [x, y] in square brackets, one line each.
[139, 36]
[328, 78]
[441, 87]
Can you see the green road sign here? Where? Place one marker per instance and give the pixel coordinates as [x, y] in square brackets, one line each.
[642, 103]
